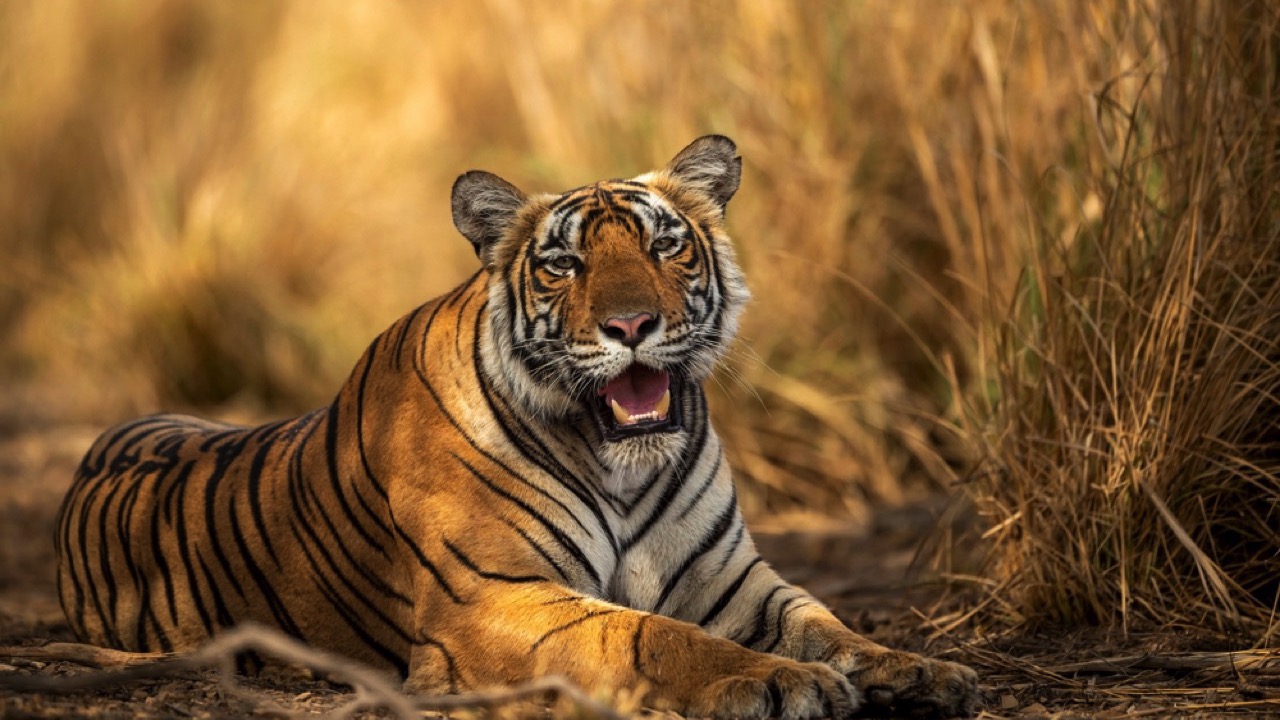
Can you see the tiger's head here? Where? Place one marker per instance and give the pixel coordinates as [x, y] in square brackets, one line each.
[617, 299]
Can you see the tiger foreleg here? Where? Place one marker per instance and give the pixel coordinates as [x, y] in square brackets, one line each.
[542, 629]
[771, 615]
[909, 683]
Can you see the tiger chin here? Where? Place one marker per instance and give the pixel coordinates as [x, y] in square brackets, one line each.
[518, 479]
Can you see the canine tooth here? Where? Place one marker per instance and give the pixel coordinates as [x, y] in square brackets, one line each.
[620, 414]
[664, 404]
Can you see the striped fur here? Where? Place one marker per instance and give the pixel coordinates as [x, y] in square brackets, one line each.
[456, 515]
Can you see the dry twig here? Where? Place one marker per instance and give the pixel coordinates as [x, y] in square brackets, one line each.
[89, 655]
[1246, 659]
[372, 688]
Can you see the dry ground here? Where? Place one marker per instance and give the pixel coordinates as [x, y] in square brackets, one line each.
[861, 572]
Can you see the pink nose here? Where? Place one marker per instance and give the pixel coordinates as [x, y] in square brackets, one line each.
[630, 330]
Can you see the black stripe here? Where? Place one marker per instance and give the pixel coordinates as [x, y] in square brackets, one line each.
[158, 559]
[177, 483]
[425, 562]
[104, 562]
[311, 501]
[467, 563]
[462, 311]
[577, 621]
[135, 433]
[360, 445]
[124, 531]
[256, 500]
[538, 549]
[162, 637]
[565, 541]
[129, 436]
[636, 638]
[708, 542]
[174, 485]
[702, 490]
[217, 438]
[335, 482]
[762, 619]
[733, 545]
[428, 641]
[729, 592]
[721, 292]
[219, 607]
[638, 494]
[674, 485]
[278, 610]
[405, 324]
[783, 611]
[226, 453]
[348, 614]
[68, 555]
[81, 524]
[306, 497]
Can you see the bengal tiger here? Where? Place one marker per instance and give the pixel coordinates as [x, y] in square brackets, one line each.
[518, 479]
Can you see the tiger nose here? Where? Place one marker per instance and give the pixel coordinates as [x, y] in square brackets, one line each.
[630, 330]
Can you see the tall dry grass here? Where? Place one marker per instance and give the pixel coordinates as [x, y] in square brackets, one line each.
[1133, 470]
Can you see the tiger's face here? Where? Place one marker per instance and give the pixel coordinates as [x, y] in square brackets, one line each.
[616, 299]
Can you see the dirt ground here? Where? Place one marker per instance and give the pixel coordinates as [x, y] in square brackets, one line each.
[862, 572]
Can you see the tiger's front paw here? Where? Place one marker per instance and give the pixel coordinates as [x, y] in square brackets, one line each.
[907, 684]
[782, 689]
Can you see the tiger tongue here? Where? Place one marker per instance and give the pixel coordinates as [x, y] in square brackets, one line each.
[638, 390]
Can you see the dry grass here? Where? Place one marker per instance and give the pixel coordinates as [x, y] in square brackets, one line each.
[1043, 234]
[1134, 450]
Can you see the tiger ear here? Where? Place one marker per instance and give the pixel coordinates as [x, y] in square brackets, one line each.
[484, 205]
[710, 164]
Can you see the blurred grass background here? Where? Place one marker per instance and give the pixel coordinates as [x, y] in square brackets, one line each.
[951, 215]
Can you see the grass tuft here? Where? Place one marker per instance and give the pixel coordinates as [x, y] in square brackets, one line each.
[1133, 451]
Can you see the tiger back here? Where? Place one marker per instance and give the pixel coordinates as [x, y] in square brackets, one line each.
[518, 478]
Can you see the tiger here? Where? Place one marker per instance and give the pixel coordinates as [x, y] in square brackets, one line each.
[518, 479]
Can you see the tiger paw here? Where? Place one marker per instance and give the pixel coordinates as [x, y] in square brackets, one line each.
[780, 689]
[908, 685]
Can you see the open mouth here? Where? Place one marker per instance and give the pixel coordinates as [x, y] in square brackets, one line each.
[639, 401]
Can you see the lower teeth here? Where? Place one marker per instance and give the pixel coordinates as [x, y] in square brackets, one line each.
[623, 417]
[658, 413]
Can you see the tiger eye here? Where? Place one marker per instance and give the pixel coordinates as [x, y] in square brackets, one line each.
[665, 242]
[564, 263]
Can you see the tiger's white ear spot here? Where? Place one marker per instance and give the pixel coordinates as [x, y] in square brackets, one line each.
[484, 205]
[710, 164]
